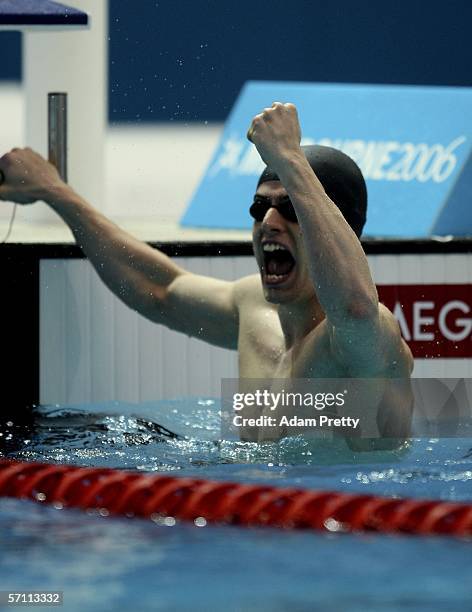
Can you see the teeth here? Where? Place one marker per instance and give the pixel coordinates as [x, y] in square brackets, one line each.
[270, 247]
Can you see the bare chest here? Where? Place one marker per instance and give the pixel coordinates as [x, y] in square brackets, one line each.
[263, 354]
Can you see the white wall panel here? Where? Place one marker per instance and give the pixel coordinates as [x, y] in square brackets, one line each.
[151, 366]
[77, 321]
[433, 269]
[409, 269]
[456, 268]
[126, 353]
[53, 336]
[94, 348]
[196, 367]
[385, 269]
[102, 339]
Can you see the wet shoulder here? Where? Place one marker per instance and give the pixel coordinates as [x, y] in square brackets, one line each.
[248, 292]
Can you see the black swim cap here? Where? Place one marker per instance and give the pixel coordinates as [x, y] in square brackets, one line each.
[341, 178]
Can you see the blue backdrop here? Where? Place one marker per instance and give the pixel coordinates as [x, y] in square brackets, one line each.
[186, 60]
[413, 145]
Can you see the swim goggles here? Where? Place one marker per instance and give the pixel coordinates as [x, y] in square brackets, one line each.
[261, 205]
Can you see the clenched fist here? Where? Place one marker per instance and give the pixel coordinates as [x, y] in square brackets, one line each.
[27, 177]
[276, 134]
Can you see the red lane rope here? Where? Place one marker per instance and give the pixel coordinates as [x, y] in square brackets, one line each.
[158, 496]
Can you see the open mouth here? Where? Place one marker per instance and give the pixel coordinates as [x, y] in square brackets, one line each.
[278, 263]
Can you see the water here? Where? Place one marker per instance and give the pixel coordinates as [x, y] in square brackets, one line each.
[116, 563]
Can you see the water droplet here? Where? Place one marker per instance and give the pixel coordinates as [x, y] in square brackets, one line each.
[332, 524]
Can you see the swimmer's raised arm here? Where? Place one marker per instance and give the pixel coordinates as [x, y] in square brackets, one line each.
[144, 278]
[337, 264]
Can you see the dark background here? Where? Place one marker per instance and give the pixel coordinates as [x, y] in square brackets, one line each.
[187, 60]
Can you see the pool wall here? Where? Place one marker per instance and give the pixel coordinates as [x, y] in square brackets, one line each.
[75, 342]
[94, 348]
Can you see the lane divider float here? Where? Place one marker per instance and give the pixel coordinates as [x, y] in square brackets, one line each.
[160, 496]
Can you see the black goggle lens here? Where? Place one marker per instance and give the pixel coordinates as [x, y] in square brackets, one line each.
[259, 208]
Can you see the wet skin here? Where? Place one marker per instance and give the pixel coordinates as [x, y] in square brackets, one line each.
[317, 318]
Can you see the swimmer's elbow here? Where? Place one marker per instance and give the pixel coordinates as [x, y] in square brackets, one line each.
[156, 301]
[362, 309]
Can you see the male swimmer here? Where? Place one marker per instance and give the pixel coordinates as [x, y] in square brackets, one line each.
[312, 312]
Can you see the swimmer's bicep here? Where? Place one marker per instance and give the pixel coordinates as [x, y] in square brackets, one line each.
[202, 307]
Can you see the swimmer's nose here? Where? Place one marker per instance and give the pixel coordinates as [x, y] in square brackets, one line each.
[273, 221]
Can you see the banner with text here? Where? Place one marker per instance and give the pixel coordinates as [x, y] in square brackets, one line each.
[435, 320]
[413, 145]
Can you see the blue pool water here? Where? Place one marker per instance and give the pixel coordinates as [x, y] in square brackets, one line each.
[118, 564]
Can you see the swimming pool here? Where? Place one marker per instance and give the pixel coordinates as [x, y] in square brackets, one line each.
[115, 563]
